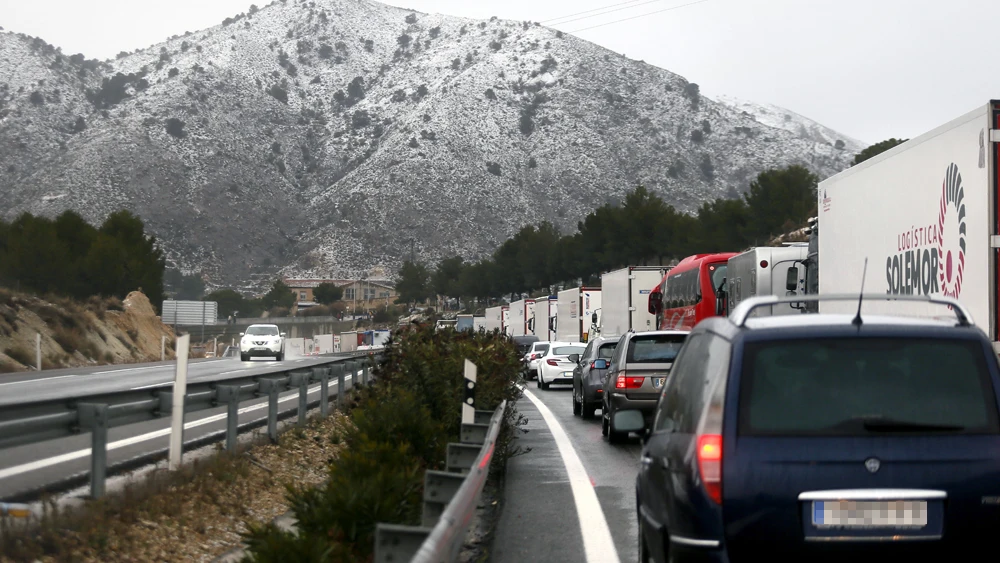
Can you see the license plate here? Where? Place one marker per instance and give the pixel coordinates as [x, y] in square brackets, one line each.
[658, 382]
[870, 514]
[567, 374]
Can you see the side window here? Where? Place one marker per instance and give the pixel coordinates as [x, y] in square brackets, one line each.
[616, 360]
[586, 352]
[670, 415]
[712, 359]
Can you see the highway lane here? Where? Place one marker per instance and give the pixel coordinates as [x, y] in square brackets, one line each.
[19, 376]
[30, 467]
[107, 379]
[542, 513]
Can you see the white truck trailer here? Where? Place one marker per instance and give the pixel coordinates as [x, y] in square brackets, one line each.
[924, 214]
[625, 300]
[478, 323]
[494, 319]
[520, 313]
[767, 270]
[574, 310]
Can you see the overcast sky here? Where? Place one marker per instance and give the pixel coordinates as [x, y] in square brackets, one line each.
[871, 69]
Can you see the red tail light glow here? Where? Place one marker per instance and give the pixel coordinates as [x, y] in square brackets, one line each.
[626, 382]
[710, 465]
[552, 362]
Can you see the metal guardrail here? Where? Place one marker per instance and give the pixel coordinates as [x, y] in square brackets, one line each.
[39, 421]
[450, 498]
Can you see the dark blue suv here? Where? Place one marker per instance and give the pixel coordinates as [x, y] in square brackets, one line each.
[823, 437]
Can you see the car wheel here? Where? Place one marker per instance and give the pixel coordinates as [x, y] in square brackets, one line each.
[588, 410]
[643, 550]
[244, 357]
[538, 380]
[279, 356]
[545, 384]
[605, 423]
[577, 407]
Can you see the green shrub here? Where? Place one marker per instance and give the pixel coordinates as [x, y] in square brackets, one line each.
[20, 355]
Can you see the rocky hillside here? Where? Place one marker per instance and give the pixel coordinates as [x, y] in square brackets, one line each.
[100, 331]
[324, 137]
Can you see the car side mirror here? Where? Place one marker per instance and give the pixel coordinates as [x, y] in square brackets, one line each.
[593, 318]
[600, 364]
[792, 279]
[242, 334]
[575, 358]
[283, 334]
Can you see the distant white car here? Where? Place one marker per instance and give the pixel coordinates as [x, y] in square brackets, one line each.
[531, 358]
[555, 366]
[262, 340]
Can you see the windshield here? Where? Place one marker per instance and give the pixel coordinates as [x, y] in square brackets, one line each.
[866, 386]
[543, 348]
[567, 350]
[654, 348]
[718, 273]
[262, 331]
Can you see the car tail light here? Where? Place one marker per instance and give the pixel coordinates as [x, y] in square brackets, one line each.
[710, 465]
[763, 263]
[552, 362]
[626, 382]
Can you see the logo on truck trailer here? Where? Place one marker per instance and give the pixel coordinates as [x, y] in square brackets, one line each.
[931, 259]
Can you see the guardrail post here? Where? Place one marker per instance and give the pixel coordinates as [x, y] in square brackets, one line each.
[339, 370]
[365, 374]
[230, 394]
[352, 370]
[323, 375]
[439, 488]
[394, 543]
[272, 387]
[461, 457]
[300, 379]
[95, 418]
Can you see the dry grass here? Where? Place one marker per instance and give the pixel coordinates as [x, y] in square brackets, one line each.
[196, 514]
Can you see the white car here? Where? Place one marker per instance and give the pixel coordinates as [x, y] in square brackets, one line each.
[531, 358]
[555, 366]
[262, 340]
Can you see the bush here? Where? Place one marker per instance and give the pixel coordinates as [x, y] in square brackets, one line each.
[411, 19]
[37, 98]
[401, 428]
[20, 355]
[173, 72]
[279, 93]
[175, 127]
[697, 136]
[493, 168]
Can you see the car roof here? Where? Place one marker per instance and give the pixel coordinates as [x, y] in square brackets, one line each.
[268, 326]
[817, 322]
[659, 332]
[564, 343]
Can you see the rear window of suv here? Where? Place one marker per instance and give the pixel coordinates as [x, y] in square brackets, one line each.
[654, 348]
[866, 387]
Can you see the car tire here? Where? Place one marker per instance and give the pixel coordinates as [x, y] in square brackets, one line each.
[244, 357]
[605, 423]
[577, 407]
[538, 381]
[279, 356]
[588, 411]
[643, 550]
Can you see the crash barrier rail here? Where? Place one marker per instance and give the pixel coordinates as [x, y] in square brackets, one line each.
[39, 421]
[450, 496]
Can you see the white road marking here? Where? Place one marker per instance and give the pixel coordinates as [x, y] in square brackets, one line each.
[32, 466]
[38, 380]
[150, 386]
[598, 544]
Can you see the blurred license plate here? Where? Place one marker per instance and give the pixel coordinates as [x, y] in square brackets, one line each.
[870, 514]
[658, 382]
[567, 374]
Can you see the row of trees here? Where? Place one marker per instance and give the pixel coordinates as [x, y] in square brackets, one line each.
[642, 230]
[69, 256]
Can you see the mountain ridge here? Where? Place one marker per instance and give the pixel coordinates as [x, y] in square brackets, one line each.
[322, 139]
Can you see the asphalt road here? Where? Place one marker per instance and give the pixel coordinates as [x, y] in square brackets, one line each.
[30, 467]
[546, 492]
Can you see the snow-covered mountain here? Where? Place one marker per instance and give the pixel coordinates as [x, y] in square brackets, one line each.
[326, 137]
[803, 127]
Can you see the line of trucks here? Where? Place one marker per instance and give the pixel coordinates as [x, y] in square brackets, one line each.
[924, 216]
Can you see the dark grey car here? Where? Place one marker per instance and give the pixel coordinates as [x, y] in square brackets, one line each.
[589, 375]
[638, 371]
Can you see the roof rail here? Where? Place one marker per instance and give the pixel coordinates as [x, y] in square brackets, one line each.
[742, 311]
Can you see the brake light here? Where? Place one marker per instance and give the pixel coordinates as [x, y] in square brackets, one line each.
[710, 465]
[552, 362]
[626, 382]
